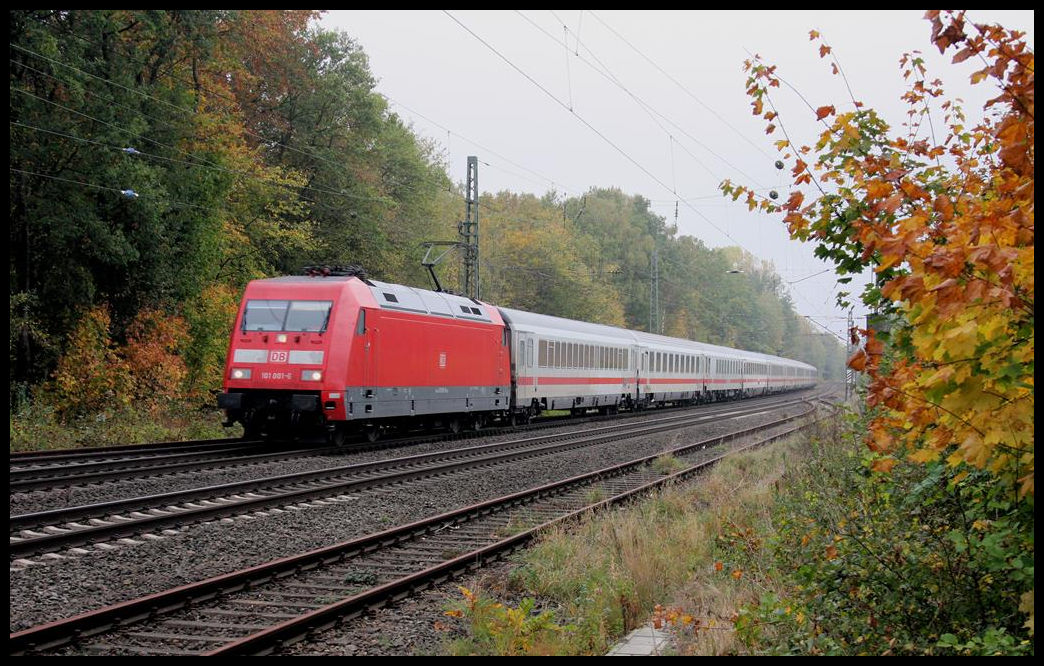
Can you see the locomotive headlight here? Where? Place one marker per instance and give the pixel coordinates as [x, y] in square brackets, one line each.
[240, 373]
[311, 376]
[281, 337]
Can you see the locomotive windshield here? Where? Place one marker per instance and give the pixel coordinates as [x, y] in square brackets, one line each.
[286, 315]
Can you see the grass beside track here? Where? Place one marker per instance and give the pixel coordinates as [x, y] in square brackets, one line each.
[37, 428]
[585, 586]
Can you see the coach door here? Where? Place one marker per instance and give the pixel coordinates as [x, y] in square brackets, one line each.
[642, 373]
[522, 365]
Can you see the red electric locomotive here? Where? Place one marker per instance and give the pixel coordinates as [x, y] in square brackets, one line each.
[341, 352]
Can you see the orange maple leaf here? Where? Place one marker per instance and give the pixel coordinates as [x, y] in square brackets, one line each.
[824, 111]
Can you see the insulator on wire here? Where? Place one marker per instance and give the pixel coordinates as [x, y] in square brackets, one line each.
[773, 194]
[130, 194]
[779, 164]
[131, 151]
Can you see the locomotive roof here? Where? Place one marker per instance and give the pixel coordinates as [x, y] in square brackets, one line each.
[313, 279]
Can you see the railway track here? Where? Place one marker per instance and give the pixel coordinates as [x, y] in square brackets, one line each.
[45, 470]
[75, 527]
[259, 609]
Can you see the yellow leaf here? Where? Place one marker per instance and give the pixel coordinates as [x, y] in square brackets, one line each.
[923, 455]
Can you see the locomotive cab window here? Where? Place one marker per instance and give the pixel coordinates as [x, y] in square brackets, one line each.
[299, 316]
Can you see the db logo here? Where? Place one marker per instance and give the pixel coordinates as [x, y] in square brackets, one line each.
[278, 357]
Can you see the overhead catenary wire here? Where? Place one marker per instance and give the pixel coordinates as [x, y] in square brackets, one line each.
[190, 112]
[587, 124]
[173, 106]
[140, 153]
[607, 73]
[679, 84]
[383, 200]
[595, 130]
[126, 193]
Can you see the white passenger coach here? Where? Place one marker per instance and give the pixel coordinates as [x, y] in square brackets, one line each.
[565, 364]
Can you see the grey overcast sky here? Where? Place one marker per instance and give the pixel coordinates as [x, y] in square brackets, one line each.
[651, 102]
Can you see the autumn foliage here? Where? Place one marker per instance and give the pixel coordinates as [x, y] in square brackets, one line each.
[97, 375]
[944, 216]
[931, 538]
